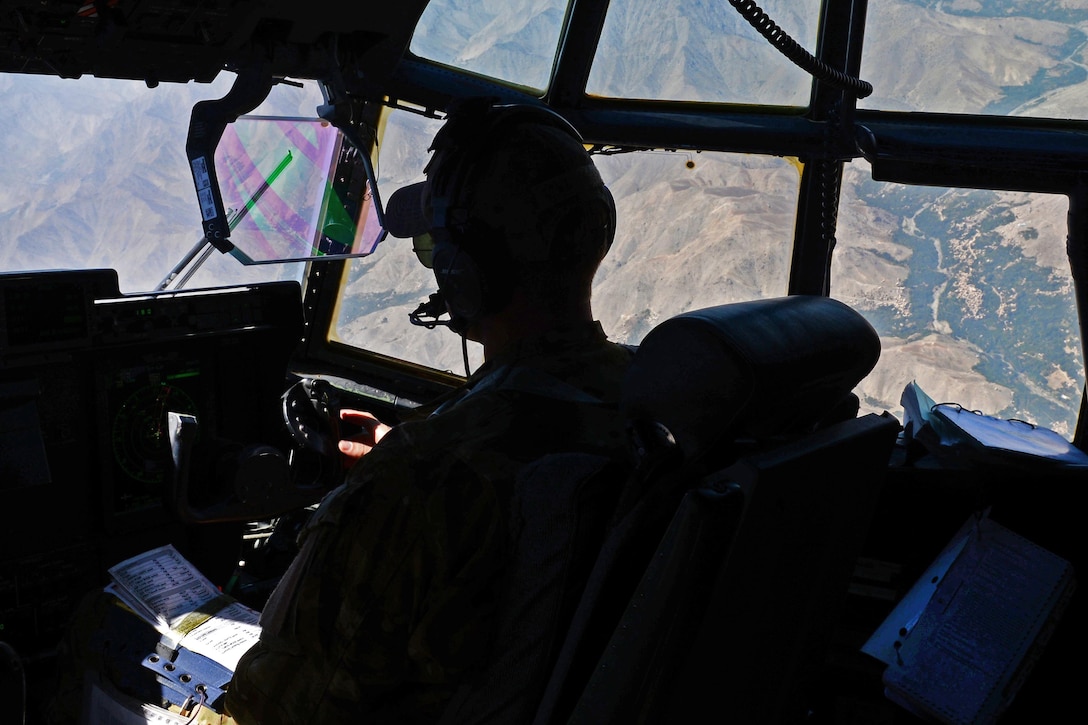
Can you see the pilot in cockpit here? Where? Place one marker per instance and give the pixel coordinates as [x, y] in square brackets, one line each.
[389, 609]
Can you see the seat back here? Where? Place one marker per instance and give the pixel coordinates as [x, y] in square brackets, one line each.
[754, 370]
[560, 510]
[732, 618]
[561, 502]
[704, 388]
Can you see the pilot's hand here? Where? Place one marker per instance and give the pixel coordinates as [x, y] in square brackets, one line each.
[358, 445]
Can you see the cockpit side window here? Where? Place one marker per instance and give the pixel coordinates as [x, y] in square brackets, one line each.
[971, 293]
[1039, 70]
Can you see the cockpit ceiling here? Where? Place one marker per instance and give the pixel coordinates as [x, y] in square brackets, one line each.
[179, 41]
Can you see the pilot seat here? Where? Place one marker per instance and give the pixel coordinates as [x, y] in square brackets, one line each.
[702, 578]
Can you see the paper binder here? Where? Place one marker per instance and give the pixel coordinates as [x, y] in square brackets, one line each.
[963, 640]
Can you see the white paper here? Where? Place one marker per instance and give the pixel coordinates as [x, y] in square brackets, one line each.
[882, 643]
[162, 584]
[226, 636]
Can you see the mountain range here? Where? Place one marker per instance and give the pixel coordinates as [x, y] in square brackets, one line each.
[969, 290]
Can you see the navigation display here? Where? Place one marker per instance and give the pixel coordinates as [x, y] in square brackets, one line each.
[140, 396]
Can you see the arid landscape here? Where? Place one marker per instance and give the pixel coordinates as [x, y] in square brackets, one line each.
[969, 290]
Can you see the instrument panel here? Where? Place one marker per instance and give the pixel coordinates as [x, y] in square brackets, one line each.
[87, 376]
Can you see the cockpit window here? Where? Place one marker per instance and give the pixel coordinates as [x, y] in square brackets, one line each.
[693, 230]
[512, 40]
[95, 176]
[686, 50]
[999, 57]
[693, 50]
[971, 293]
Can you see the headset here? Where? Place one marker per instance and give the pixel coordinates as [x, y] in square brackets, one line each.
[473, 255]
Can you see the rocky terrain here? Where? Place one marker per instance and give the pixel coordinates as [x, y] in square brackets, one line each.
[969, 290]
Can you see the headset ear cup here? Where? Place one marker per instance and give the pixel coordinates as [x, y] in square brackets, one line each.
[462, 284]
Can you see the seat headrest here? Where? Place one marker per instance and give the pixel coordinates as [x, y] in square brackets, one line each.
[749, 370]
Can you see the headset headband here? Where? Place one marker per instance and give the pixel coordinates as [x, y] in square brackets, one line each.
[485, 216]
[463, 148]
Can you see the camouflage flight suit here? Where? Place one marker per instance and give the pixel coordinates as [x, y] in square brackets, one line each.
[391, 600]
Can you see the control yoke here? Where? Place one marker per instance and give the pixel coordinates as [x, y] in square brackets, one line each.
[262, 481]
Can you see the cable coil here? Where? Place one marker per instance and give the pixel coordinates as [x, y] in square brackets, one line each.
[793, 50]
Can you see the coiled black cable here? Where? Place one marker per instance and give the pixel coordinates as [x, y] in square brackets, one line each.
[793, 50]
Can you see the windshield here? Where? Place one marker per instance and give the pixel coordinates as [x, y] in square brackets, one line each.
[687, 50]
[969, 289]
[96, 176]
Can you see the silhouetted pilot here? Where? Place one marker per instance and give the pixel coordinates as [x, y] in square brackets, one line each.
[391, 604]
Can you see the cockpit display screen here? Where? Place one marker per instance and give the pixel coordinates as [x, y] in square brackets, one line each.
[140, 395]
